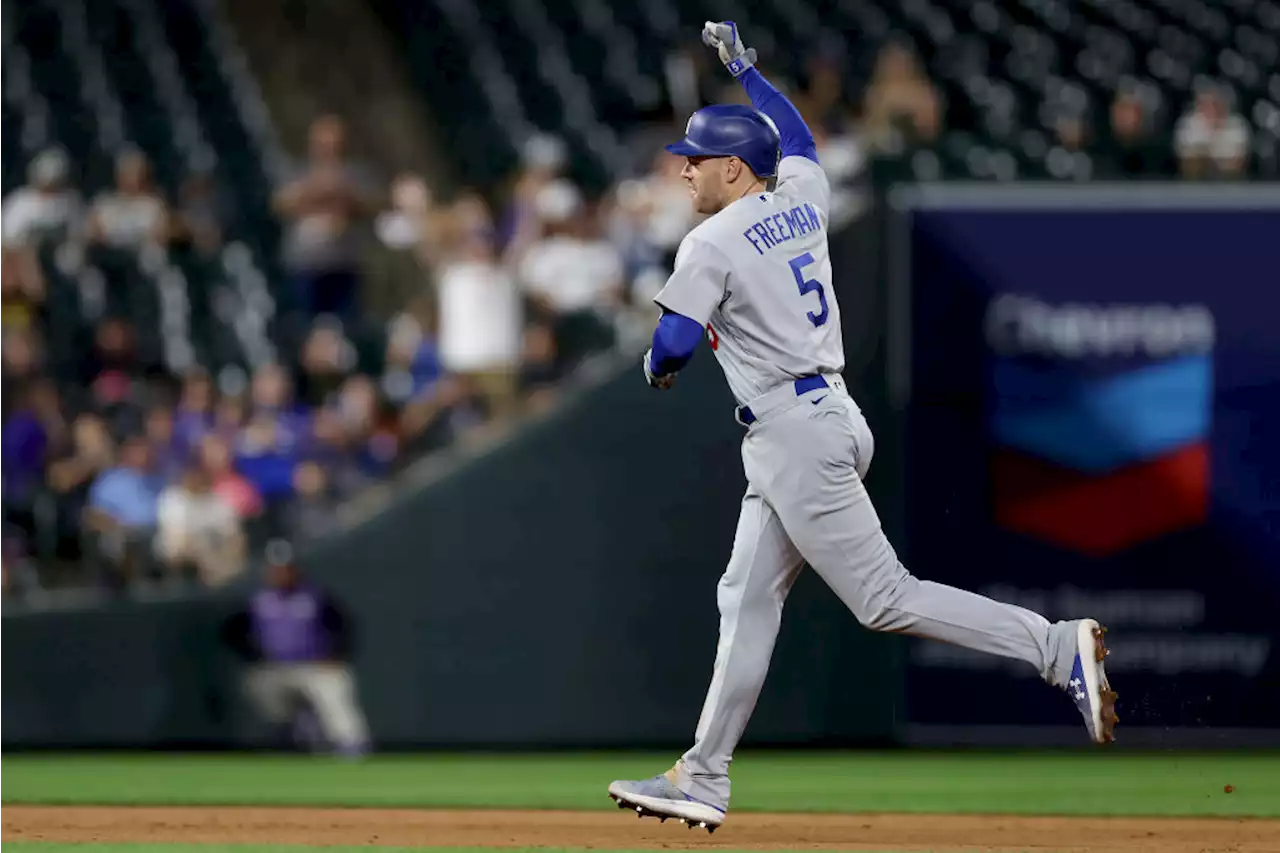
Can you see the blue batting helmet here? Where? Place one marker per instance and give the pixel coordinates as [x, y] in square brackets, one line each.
[731, 130]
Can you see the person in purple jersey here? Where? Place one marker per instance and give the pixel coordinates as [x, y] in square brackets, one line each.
[297, 642]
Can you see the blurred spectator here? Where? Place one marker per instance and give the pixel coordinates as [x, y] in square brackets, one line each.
[272, 396]
[90, 453]
[480, 320]
[901, 107]
[469, 218]
[572, 276]
[133, 214]
[21, 288]
[315, 512]
[1067, 159]
[409, 221]
[203, 214]
[1132, 150]
[670, 209]
[277, 435]
[412, 367]
[26, 444]
[431, 401]
[71, 472]
[230, 416]
[628, 221]
[538, 367]
[194, 415]
[112, 368]
[322, 207]
[542, 161]
[198, 533]
[232, 487]
[298, 643]
[823, 102]
[19, 363]
[1211, 140]
[410, 238]
[168, 454]
[336, 449]
[46, 209]
[122, 510]
[844, 162]
[372, 437]
[327, 358]
[265, 454]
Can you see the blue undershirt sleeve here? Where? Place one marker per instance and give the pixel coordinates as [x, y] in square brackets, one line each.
[674, 341]
[793, 134]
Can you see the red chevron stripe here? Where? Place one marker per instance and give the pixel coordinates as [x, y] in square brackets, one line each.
[1101, 515]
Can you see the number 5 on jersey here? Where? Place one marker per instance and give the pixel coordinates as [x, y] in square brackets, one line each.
[808, 285]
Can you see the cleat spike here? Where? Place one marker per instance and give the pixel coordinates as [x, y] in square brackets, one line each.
[712, 828]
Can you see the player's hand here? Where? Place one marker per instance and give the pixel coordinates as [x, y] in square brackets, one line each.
[723, 36]
[655, 381]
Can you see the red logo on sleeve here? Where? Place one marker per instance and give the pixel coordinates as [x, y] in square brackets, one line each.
[713, 338]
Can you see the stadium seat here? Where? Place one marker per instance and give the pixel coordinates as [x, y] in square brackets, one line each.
[1036, 53]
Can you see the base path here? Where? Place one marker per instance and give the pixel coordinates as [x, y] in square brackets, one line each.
[618, 830]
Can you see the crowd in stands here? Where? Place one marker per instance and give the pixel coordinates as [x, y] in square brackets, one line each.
[407, 319]
[124, 473]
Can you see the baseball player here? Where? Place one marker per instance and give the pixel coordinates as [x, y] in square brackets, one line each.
[756, 276]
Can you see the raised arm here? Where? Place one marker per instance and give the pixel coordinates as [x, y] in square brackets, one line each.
[794, 135]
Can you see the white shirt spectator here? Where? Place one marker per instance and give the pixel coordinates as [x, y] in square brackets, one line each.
[45, 205]
[28, 213]
[571, 273]
[183, 517]
[1223, 143]
[128, 221]
[672, 216]
[480, 317]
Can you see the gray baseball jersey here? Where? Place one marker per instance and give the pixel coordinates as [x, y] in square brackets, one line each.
[758, 274]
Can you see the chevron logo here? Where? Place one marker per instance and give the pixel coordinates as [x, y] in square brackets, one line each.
[1097, 459]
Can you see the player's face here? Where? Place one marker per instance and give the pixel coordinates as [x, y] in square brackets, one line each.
[707, 182]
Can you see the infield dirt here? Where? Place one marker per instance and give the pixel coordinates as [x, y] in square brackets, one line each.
[615, 830]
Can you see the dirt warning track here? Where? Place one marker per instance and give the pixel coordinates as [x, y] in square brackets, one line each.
[614, 830]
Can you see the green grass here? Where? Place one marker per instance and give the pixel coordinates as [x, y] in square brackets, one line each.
[1112, 783]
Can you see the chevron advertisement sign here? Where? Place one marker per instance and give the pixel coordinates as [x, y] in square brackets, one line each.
[1092, 427]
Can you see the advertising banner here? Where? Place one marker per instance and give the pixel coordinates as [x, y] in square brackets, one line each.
[1091, 382]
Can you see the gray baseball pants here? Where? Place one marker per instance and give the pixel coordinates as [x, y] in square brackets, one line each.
[805, 458]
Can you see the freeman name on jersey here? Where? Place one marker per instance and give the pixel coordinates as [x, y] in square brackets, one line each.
[781, 227]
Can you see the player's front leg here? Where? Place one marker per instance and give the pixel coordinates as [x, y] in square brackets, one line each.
[820, 498]
[751, 595]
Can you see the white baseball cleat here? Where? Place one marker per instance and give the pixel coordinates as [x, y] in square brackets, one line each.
[1088, 685]
[659, 797]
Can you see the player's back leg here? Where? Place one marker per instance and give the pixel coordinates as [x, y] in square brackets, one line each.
[750, 595]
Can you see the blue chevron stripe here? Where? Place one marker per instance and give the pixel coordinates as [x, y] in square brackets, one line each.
[1099, 424]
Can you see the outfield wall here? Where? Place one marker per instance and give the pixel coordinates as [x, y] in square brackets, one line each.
[559, 591]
